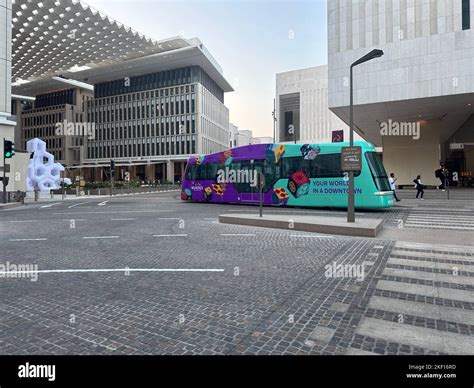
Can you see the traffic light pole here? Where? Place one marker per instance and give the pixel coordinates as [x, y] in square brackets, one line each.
[351, 202]
[4, 174]
[112, 177]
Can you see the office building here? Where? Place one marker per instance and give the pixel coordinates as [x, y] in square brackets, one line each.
[302, 107]
[417, 100]
[148, 105]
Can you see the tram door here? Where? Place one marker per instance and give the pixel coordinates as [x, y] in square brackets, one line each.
[248, 186]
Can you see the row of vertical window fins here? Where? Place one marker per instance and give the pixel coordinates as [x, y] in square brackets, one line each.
[164, 79]
[149, 149]
[140, 97]
[152, 108]
[150, 129]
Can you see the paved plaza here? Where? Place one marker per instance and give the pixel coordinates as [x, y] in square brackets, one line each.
[150, 274]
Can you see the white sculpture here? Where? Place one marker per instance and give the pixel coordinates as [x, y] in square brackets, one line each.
[43, 173]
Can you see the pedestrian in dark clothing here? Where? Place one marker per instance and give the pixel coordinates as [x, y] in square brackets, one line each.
[419, 187]
[440, 174]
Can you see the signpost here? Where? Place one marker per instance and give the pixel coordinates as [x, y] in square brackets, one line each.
[6, 168]
[351, 160]
[261, 184]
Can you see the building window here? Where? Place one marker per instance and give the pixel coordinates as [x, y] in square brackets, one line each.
[466, 16]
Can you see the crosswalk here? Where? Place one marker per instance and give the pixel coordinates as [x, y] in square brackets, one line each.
[454, 220]
[423, 303]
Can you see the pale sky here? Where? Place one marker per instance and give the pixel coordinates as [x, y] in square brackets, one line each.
[251, 39]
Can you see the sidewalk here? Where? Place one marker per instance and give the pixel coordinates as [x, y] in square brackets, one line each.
[46, 197]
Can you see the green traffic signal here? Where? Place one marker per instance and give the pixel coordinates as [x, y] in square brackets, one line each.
[8, 149]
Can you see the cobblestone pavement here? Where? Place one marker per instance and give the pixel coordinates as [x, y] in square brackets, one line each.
[226, 289]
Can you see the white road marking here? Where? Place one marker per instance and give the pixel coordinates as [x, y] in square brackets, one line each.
[28, 239]
[48, 206]
[99, 270]
[430, 276]
[431, 291]
[102, 203]
[433, 339]
[77, 204]
[170, 235]
[237, 234]
[419, 309]
[123, 219]
[118, 211]
[310, 236]
[24, 221]
[99, 237]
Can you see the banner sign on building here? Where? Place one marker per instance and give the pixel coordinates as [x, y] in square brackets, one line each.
[338, 136]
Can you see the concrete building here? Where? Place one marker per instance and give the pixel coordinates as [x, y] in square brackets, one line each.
[424, 83]
[262, 140]
[7, 122]
[47, 118]
[302, 102]
[243, 137]
[151, 103]
[239, 137]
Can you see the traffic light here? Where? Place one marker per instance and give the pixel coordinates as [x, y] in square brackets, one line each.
[112, 165]
[8, 149]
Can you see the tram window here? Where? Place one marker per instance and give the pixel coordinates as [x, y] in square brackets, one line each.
[293, 164]
[196, 172]
[378, 171]
[272, 173]
[211, 170]
[190, 173]
[323, 166]
[327, 166]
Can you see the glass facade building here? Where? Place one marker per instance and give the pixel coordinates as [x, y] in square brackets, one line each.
[157, 118]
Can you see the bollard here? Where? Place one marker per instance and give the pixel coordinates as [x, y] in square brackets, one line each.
[36, 195]
[99, 191]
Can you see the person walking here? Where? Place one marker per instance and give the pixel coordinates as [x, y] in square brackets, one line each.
[393, 185]
[445, 177]
[419, 187]
[440, 174]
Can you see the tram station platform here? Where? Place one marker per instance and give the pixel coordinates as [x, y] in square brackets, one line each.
[362, 227]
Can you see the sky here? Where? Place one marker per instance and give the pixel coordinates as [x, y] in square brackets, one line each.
[252, 40]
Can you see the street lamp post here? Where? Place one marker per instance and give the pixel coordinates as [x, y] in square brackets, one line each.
[376, 53]
[274, 120]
